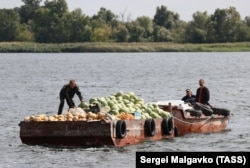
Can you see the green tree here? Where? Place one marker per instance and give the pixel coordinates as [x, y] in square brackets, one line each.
[161, 34]
[24, 34]
[58, 7]
[178, 33]
[121, 34]
[105, 16]
[196, 30]
[168, 24]
[225, 22]
[101, 34]
[9, 22]
[166, 18]
[42, 24]
[247, 21]
[50, 22]
[105, 19]
[79, 26]
[246, 29]
[242, 32]
[147, 24]
[27, 10]
[135, 31]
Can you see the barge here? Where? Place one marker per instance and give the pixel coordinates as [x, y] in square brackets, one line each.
[96, 133]
[125, 120]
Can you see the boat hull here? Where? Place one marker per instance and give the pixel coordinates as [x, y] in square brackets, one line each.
[90, 133]
[186, 123]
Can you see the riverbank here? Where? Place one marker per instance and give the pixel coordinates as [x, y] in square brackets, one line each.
[16, 47]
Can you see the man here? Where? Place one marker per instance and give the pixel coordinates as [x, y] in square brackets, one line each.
[67, 92]
[189, 98]
[202, 94]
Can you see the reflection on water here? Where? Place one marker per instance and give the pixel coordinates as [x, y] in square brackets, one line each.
[32, 82]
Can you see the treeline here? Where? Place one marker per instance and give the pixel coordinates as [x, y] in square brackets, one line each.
[54, 23]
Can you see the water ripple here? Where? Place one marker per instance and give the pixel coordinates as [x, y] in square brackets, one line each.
[32, 87]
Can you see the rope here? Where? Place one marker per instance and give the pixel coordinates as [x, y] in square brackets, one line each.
[192, 122]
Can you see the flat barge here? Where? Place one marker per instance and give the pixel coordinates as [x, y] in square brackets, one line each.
[96, 133]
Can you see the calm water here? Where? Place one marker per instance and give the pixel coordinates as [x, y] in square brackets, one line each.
[31, 82]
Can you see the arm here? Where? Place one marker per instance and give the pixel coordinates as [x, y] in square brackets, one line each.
[68, 97]
[79, 94]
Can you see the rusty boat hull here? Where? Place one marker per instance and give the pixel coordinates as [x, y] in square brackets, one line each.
[189, 120]
[95, 133]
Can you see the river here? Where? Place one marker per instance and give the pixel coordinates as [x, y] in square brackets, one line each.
[31, 83]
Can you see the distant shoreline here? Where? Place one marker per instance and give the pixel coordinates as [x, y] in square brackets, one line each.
[27, 47]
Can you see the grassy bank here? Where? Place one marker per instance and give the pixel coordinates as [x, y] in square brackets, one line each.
[10, 47]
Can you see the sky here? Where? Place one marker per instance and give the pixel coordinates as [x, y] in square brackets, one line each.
[131, 9]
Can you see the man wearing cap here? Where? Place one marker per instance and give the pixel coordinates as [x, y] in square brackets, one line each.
[189, 98]
[67, 92]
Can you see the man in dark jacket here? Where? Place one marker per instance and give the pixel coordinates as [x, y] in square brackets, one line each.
[202, 94]
[189, 98]
[67, 92]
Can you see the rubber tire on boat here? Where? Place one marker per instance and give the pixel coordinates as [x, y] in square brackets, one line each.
[205, 110]
[194, 113]
[225, 112]
[121, 129]
[221, 111]
[150, 127]
[167, 126]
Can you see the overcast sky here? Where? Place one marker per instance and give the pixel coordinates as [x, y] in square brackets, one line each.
[135, 8]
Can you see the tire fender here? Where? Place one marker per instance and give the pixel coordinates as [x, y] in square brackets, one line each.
[121, 129]
[167, 126]
[150, 127]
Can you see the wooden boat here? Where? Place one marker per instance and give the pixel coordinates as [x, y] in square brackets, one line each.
[96, 133]
[195, 119]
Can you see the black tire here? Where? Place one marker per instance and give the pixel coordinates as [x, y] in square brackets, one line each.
[221, 111]
[194, 113]
[167, 126]
[150, 127]
[225, 112]
[121, 129]
[206, 110]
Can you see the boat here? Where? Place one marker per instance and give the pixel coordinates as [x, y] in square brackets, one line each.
[197, 118]
[118, 120]
[117, 133]
[98, 123]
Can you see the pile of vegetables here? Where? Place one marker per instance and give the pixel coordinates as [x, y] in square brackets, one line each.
[121, 104]
[73, 114]
[117, 106]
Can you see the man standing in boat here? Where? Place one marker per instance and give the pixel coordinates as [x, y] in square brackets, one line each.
[202, 94]
[67, 92]
[189, 98]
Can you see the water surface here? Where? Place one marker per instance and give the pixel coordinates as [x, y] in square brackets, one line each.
[31, 84]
